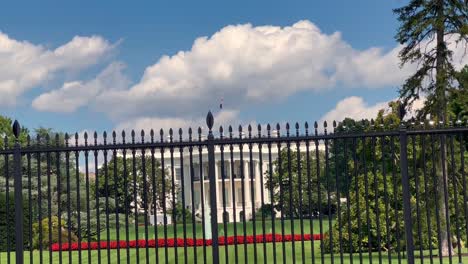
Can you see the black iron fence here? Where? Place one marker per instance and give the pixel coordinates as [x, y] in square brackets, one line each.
[362, 194]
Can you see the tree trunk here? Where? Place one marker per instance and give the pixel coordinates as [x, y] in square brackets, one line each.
[441, 106]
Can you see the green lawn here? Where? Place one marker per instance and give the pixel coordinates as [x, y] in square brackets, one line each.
[310, 247]
[231, 255]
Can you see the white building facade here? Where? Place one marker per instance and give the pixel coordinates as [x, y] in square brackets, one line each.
[240, 178]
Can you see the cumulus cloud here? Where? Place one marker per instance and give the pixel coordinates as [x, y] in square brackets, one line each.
[73, 95]
[356, 108]
[246, 64]
[26, 65]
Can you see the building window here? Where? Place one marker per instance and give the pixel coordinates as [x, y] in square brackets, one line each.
[196, 172]
[205, 171]
[178, 173]
[239, 196]
[226, 197]
[196, 195]
[237, 169]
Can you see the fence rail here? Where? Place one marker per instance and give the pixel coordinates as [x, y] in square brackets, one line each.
[287, 196]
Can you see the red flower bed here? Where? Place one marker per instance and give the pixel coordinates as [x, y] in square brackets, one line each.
[179, 242]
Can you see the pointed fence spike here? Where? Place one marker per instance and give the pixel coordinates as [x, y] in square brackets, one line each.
[209, 120]
[16, 129]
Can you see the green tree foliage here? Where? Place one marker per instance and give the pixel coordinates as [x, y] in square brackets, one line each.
[309, 193]
[458, 97]
[180, 212]
[375, 213]
[116, 181]
[45, 179]
[425, 31]
[57, 233]
[7, 222]
[426, 27]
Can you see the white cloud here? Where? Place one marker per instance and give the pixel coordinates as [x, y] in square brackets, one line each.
[353, 107]
[25, 65]
[356, 108]
[73, 95]
[246, 64]
[243, 64]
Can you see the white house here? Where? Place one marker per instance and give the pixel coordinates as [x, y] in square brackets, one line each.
[254, 171]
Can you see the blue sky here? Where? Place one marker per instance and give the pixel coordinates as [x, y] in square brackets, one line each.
[130, 37]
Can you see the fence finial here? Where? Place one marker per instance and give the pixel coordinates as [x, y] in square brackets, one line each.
[16, 129]
[209, 120]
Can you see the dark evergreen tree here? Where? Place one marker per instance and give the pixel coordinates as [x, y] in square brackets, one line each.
[427, 27]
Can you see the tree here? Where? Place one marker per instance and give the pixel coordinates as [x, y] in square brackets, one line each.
[290, 172]
[375, 163]
[46, 171]
[425, 30]
[115, 180]
[458, 97]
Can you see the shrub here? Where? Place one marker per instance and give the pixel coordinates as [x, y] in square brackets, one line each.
[265, 211]
[179, 214]
[7, 222]
[44, 225]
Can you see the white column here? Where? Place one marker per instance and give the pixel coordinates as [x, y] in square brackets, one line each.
[217, 190]
[248, 201]
[258, 175]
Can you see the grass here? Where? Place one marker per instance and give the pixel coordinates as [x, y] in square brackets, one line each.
[244, 252]
[327, 258]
